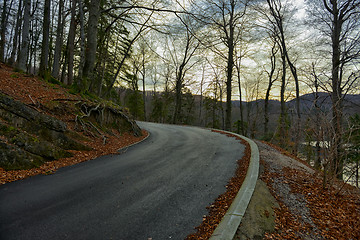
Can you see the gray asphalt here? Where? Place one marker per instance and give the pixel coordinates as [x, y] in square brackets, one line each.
[156, 189]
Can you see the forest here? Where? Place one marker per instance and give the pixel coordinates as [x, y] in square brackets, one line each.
[282, 71]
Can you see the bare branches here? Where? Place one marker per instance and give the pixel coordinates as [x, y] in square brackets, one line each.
[327, 7]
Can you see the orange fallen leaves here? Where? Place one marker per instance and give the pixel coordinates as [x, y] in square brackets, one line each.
[335, 216]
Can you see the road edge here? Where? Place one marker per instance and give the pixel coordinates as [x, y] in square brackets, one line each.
[123, 149]
[230, 222]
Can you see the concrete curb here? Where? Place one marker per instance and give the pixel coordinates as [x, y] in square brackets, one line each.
[230, 222]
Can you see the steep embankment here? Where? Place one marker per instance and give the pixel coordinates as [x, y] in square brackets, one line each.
[44, 127]
[289, 202]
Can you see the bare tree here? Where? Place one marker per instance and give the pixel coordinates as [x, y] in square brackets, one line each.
[183, 64]
[341, 13]
[338, 21]
[272, 79]
[224, 17]
[277, 19]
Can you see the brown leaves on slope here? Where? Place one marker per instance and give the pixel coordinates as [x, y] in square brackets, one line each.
[29, 89]
[337, 216]
[218, 209]
[332, 214]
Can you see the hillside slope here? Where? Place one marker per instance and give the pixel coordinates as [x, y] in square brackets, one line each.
[289, 202]
[44, 127]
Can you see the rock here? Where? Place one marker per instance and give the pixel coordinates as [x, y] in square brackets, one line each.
[25, 112]
[259, 217]
[13, 158]
[31, 137]
[33, 144]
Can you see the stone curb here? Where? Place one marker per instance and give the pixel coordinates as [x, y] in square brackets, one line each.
[230, 222]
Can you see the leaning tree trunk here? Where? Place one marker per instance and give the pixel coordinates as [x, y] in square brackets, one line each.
[297, 90]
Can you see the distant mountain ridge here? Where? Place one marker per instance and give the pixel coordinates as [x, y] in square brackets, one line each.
[307, 102]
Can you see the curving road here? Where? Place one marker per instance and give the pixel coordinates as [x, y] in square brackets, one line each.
[156, 189]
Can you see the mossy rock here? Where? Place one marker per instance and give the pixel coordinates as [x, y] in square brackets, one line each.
[32, 144]
[14, 158]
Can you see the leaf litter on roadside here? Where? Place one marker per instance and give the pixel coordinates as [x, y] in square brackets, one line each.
[334, 214]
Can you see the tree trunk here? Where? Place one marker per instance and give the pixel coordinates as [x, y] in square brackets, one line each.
[59, 40]
[16, 36]
[214, 103]
[90, 52]
[71, 44]
[32, 49]
[82, 46]
[178, 88]
[143, 83]
[297, 90]
[201, 96]
[3, 32]
[24, 49]
[267, 96]
[240, 99]
[229, 73]
[317, 164]
[282, 120]
[336, 91]
[230, 67]
[44, 58]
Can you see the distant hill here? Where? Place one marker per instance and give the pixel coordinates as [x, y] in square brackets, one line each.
[307, 102]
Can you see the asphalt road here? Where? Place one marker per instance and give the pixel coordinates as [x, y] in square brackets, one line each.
[156, 189]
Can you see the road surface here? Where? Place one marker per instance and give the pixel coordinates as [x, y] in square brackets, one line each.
[156, 189]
